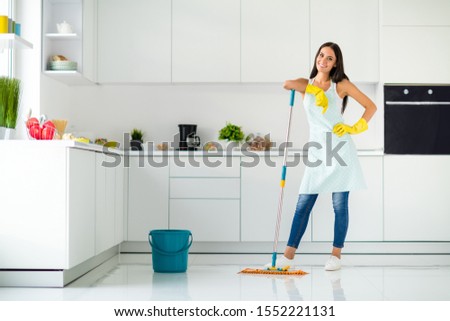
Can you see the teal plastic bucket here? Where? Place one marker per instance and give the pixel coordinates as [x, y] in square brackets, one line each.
[170, 250]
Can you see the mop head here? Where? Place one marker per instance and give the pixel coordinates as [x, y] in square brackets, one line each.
[273, 271]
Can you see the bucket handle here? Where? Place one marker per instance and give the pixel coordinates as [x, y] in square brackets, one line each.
[171, 253]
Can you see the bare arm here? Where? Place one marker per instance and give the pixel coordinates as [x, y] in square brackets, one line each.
[296, 84]
[347, 88]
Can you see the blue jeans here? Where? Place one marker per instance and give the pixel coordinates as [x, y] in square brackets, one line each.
[303, 210]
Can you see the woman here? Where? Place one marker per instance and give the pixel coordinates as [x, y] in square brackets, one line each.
[325, 97]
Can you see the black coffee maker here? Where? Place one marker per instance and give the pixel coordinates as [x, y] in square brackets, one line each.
[188, 138]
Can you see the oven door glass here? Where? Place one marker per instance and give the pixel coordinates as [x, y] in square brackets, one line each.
[417, 129]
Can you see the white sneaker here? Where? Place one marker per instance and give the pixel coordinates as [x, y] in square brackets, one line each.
[281, 263]
[333, 264]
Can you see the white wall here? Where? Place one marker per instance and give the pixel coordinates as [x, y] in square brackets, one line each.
[110, 110]
[27, 61]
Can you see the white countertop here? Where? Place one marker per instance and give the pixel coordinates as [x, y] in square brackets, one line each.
[227, 153]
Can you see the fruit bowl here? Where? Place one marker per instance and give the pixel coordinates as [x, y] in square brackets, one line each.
[40, 130]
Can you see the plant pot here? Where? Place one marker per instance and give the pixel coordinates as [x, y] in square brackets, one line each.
[135, 145]
[7, 133]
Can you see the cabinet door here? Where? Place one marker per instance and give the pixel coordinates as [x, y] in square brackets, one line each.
[148, 197]
[260, 196]
[119, 201]
[365, 208]
[415, 13]
[206, 41]
[134, 40]
[81, 206]
[353, 25]
[415, 54]
[89, 39]
[105, 205]
[209, 220]
[416, 196]
[275, 40]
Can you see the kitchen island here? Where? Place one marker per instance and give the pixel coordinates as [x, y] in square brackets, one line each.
[62, 211]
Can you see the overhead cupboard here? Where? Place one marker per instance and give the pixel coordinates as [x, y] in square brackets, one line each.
[414, 41]
[221, 41]
[75, 42]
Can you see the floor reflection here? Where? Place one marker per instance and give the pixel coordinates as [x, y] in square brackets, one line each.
[132, 279]
[170, 287]
[335, 280]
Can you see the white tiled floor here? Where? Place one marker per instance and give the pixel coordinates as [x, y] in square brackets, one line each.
[215, 277]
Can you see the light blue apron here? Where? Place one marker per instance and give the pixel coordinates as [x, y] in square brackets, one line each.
[340, 171]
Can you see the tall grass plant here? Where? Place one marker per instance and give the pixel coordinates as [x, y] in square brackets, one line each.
[9, 101]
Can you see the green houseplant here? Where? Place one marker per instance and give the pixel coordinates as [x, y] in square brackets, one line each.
[9, 101]
[137, 138]
[231, 133]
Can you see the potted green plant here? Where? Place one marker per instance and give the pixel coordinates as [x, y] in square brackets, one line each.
[231, 133]
[9, 103]
[137, 137]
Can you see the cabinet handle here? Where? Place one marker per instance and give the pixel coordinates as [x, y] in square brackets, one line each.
[418, 103]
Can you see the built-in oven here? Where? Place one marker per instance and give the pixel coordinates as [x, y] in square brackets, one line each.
[416, 119]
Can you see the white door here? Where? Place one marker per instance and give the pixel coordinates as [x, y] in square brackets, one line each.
[81, 205]
[148, 197]
[134, 41]
[206, 41]
[416, 196]
[275, 40]
[105, 215]
[353, 25]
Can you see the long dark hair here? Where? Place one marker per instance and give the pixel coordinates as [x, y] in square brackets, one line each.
[337, 74]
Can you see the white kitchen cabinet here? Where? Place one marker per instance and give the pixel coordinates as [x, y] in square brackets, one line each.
[206, 41]
[209, 220]
[204, 166]
[78, 46]
[354, 26]
[365, 208]
[205, 187]
[48, 208]
[415, 12]
[205, 197]
[148, 196]
[275, 40]
[81, 206]
[416, 198]
[105, 213]
[413, 49]
[119, 198]
[134, 41]
[260, 195]
[415, 54]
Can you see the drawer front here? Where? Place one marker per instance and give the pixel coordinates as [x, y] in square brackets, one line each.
[204, 166]
[208, 220]
[205, 188]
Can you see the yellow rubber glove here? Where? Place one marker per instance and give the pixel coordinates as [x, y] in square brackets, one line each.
[359, 127]
[321, 98]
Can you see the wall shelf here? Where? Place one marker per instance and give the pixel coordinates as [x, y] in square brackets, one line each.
[12, 41]
[63, 36]
[70, 77]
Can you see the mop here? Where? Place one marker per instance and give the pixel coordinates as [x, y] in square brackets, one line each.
[274, 269]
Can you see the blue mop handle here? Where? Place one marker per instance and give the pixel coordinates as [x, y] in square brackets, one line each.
[292, 98]
[283, 182]
[284, 169]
